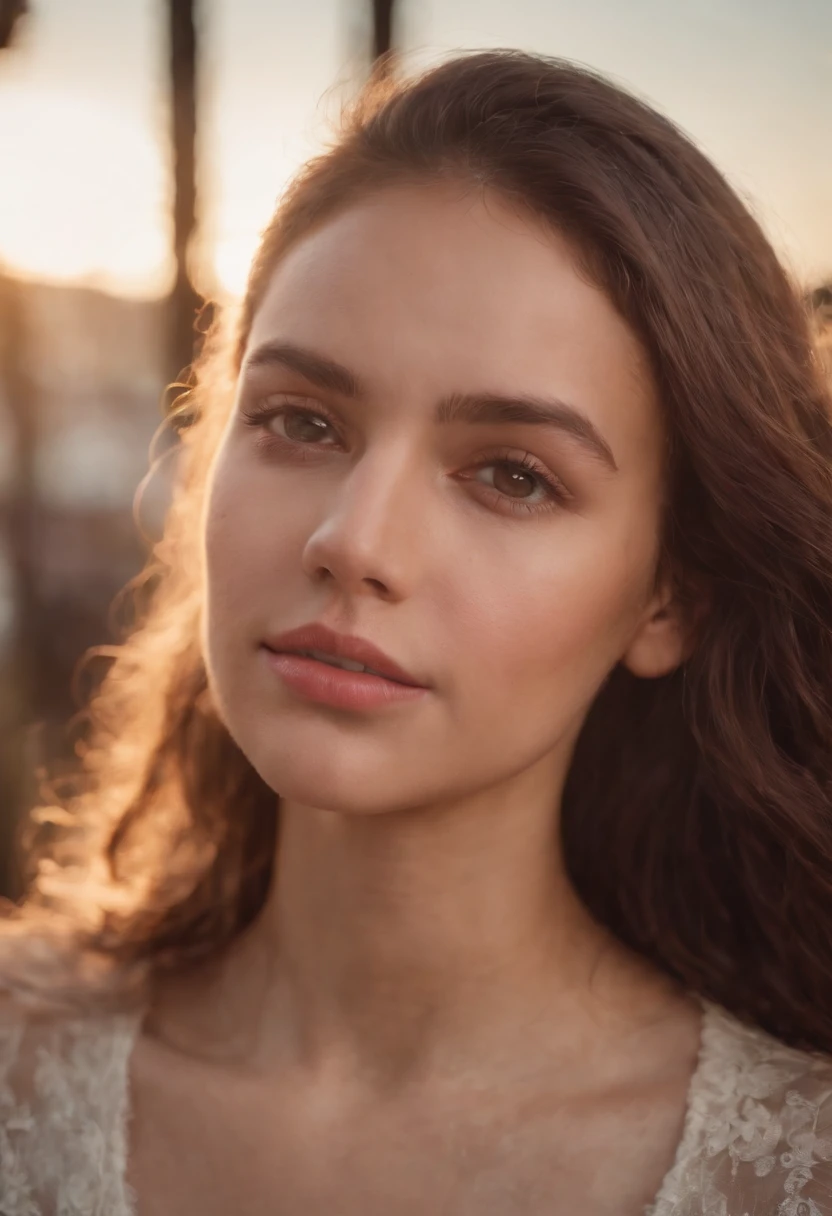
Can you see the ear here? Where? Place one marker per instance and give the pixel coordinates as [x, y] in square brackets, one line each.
[667, 633]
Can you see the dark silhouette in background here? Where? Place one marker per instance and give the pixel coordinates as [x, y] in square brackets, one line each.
[81, 379]
[185, 300]
[382, 47]
[10, 13]
[18, 689]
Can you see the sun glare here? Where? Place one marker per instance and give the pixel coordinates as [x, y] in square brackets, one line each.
[86, 197]
[246, 191]
[232, 258]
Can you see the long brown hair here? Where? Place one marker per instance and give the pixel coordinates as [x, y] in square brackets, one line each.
[697, 815]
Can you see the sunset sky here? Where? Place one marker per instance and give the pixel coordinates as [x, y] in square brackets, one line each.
[84, 179]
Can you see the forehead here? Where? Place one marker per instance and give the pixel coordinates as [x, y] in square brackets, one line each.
[423, 290]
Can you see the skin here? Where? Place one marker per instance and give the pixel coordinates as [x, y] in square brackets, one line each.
[424, 1014]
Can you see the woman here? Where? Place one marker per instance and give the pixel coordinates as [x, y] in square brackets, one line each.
[533, 916]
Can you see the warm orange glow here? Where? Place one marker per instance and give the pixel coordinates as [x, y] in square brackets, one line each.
[232, 257]
[87, 199]
[84, 194]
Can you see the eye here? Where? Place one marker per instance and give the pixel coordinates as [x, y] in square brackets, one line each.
[295, 424]
[514, 479]
[521, 485]
[302, 426]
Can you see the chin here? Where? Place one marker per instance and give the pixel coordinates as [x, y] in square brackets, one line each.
[339, 780]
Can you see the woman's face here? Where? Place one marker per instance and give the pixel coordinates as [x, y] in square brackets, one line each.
[389, 513]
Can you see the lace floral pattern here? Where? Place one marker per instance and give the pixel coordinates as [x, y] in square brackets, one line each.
[758, 1132]
[757, 1139]
[63, 1109]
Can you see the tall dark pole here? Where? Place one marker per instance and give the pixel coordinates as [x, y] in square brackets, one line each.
[10, 13]
[184, 300]
[18, 688]
[383, 47]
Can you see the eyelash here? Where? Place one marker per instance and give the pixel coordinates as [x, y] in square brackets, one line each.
[259, 415]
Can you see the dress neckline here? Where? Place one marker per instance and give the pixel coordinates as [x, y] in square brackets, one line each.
[718, 1031]
[717, 1034]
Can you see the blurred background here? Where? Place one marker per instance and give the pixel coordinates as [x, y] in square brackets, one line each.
[143, 145]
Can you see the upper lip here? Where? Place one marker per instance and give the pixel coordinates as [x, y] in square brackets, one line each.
[315, 636]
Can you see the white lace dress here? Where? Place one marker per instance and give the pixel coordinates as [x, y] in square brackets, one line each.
[757, 1138]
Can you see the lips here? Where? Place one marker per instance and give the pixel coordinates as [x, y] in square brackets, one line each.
[340, 646]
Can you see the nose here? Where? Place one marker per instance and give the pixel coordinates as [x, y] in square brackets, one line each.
[373, 533]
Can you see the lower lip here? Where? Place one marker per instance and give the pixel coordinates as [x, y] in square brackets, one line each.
[337, 687]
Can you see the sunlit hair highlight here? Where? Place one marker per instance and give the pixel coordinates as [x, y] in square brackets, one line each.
[697, 815]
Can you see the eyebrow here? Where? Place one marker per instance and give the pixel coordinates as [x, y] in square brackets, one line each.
[480, 408]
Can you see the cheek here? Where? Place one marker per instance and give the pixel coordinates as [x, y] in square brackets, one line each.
[227, 538]
[544, 634]
[249, 547]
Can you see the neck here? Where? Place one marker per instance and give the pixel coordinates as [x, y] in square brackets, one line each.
[426, 941]
[392, 926]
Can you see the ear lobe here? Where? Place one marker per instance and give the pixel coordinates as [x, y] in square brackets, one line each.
[666, 637]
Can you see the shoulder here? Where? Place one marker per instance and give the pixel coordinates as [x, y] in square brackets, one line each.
[63, 1091]
[758, 1134]
[53, 1054]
